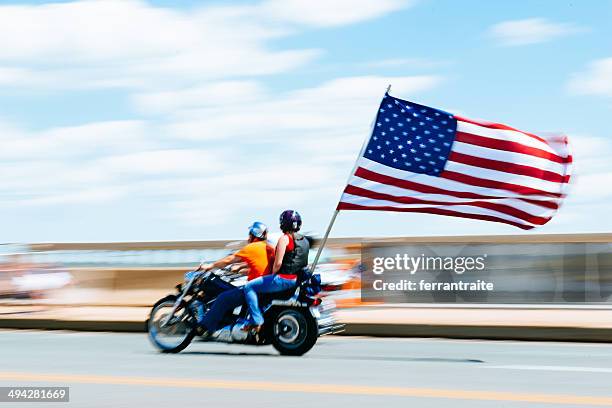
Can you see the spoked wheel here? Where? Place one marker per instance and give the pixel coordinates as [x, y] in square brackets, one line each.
[293, 332]
[173, 335]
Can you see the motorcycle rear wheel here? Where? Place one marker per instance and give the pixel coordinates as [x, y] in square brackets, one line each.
[174, 336]
[293, 331]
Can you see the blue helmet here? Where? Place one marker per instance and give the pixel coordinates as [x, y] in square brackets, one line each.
[258, 230]
[290, 221]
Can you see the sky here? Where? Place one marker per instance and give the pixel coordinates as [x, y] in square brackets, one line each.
[126, 120]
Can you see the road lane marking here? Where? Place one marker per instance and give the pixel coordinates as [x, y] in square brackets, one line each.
[553, 368]
[340, 389]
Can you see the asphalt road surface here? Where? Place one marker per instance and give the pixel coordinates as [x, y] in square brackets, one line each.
[123, 370]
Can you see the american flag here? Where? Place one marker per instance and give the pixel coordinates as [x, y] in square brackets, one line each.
[421, 159]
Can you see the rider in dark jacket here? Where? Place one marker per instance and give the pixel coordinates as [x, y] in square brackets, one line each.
[290, 260]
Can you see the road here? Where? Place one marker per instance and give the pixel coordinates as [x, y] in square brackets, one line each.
[123, 370]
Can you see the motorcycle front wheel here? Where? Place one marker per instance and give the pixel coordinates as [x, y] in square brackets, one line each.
[170, 336]
[293, 331]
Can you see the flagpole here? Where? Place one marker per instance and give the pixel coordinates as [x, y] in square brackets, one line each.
[335, 214]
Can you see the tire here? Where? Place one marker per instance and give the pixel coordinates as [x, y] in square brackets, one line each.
[153, 330]
[293, 331]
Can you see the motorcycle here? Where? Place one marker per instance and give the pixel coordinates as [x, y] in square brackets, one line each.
[293, 319]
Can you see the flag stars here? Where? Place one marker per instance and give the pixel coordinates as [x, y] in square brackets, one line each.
[406, 137]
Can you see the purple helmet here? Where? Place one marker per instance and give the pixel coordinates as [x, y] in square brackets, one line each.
[290, 221]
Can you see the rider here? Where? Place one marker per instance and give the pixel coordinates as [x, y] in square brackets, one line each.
[290, 260]
[258, 255]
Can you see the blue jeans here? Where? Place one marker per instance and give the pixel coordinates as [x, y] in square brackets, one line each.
[264, 284]
[225, 303]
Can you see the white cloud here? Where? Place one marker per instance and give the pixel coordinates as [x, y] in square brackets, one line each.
[329, 13]
[597, 80]
[164, 162]
[341, 105]
[73, 141]
[129, 43]
[211, 94]
[530, 31]
[91, 163]
[132, 44]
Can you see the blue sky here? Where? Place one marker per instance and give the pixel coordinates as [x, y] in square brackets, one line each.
[162, 120]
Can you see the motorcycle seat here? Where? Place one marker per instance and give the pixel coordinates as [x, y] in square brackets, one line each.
[265, 298]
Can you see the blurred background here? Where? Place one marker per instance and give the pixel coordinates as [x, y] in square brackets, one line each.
[543, 270]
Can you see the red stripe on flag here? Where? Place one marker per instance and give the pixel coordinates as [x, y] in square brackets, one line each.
[502, 208]
[486, 183]
[509, 146]
[438, 211]
[474, 181]
[499, 126]
[548, 204]
[513, 168]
